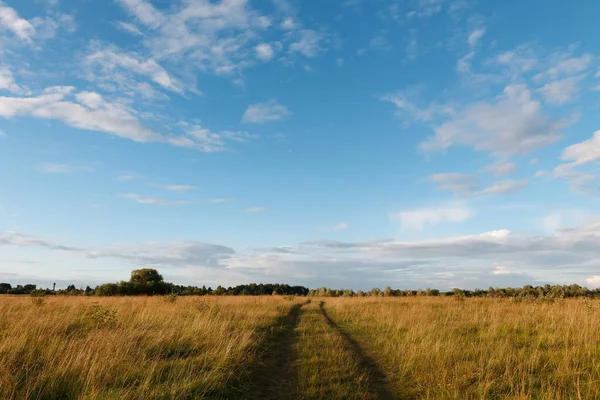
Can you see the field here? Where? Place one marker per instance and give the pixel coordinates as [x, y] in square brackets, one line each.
[276, 347]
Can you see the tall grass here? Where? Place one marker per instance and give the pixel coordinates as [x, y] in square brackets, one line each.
[440, 348]
[270, 347]
[326, 367]
[130, 348]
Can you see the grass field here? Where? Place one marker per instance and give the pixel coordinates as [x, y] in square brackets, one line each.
[277, 347]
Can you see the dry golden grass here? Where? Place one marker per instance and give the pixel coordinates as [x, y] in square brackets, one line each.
[440, 348]
[327, 368]
[131, 348]
[276, 348]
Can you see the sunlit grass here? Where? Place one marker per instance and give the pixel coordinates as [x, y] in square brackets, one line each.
[270, 347]
[120, 348]
[440, 348]
[326, 366]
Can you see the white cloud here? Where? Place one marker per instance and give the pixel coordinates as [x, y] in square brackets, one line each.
[501, 168]
[584, 152]
[552, 222]
[468, 185]
[264, 51]
[7, 81]
[570, 65]
[485, 127]
[131, 28]
[407, 109]
[308, 44]
[477, 260]
[420, 218]
[499, 270]
[463, 65]
[265, 112]
[210, 141]
[47, 27]
[153, 200]
[128, 177]
[109, 59]
[92, 112]
[520, 60]
[2, 134]
[561, 91]
[107, 117]
[221, 200]
[216, 36]
[339, 227]
[179, 188]
[505, 187]
[53, 168]
[289, 24]
[256, 209]
[593, 281]
[461, 184]
[579, 154]
[339, 62]
[10, 20]
[144, 11]
[475, 36]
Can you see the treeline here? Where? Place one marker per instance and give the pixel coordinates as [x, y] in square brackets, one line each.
[527, 291]
[149, 282]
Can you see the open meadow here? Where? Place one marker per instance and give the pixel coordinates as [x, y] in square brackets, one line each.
[284, 347]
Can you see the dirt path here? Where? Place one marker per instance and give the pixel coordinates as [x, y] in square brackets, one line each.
[377, 380]
[274, 373]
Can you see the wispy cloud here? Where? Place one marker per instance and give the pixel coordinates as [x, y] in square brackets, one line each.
[217, 37]
[501, 168]
[422, 217]
[579, 155]
[7, 80]
[561, 91]
[153, 200]
[91, 111]
[53, 168]
[461, 184]
[110, 59]
[265, 51]
[505, 187]
[11, 21]
[128, 177]
[475, 36]
[221, 200]
[484, 126]
[335, 228]
[409, 110]
[265, 112]
[210, 141]
[179, 188]
[465, 185]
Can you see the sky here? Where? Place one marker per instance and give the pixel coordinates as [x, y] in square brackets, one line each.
[349, 144]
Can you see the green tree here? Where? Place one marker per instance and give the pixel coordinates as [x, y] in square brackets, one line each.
[146, 276]
[5, 288]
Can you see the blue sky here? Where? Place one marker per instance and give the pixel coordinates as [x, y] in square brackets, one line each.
[353, 144]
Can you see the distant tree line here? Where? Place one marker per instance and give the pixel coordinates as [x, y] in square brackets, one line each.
[149, 282]
[527, 291]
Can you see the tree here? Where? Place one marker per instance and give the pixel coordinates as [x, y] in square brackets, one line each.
[5, 288]
[146, 276]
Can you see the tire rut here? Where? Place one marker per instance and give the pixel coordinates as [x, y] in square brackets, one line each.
[377, 379]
